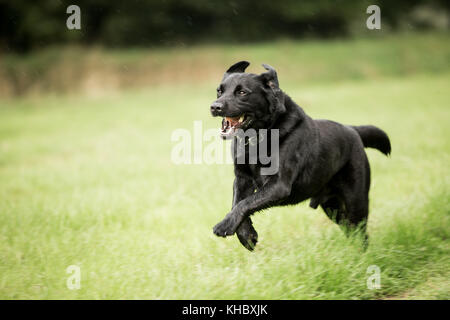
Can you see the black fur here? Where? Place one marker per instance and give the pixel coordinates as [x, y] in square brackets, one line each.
[320, 160]
[373, 137]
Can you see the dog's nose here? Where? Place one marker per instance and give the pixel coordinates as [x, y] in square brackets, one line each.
[216, 107]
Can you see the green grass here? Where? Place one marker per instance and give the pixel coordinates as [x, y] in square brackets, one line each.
[88, 181]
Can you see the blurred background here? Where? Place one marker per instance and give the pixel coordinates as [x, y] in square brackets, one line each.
[87, 178]
[39, 53]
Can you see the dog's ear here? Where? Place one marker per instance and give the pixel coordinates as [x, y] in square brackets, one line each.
[270, 78]
[238, 67]
[272, 88]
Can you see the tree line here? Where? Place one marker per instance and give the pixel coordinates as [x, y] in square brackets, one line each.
[27, 25]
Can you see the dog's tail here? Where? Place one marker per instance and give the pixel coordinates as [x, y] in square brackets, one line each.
[373, 137]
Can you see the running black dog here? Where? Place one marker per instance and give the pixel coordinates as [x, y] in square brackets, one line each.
[318, 159]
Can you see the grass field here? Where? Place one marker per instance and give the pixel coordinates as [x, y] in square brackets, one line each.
[88, 181]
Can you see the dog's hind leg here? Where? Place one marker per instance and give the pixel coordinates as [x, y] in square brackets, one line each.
[349, 219]
[355, 192]
[357, 215]
[334, 208]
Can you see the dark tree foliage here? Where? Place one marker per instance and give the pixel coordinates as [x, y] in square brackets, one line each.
[26, 25]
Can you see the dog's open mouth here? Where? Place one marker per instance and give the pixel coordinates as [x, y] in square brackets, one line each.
[231, 124]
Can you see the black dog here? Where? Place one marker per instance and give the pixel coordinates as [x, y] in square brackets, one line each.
[318, 159]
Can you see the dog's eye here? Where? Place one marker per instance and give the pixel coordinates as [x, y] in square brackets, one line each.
[219, 92]
[242, 93]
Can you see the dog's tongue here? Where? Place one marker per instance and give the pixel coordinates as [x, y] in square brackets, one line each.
[229, 126]
[232, 121]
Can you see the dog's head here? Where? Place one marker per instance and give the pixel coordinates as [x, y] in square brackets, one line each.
[247, 100]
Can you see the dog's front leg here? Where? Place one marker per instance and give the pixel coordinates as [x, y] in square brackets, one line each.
[266, 197]
[247, 234]
[244, 187]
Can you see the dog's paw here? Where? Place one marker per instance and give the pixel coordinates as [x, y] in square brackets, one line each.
[247, 235]
[225, 228]
[249, 241]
